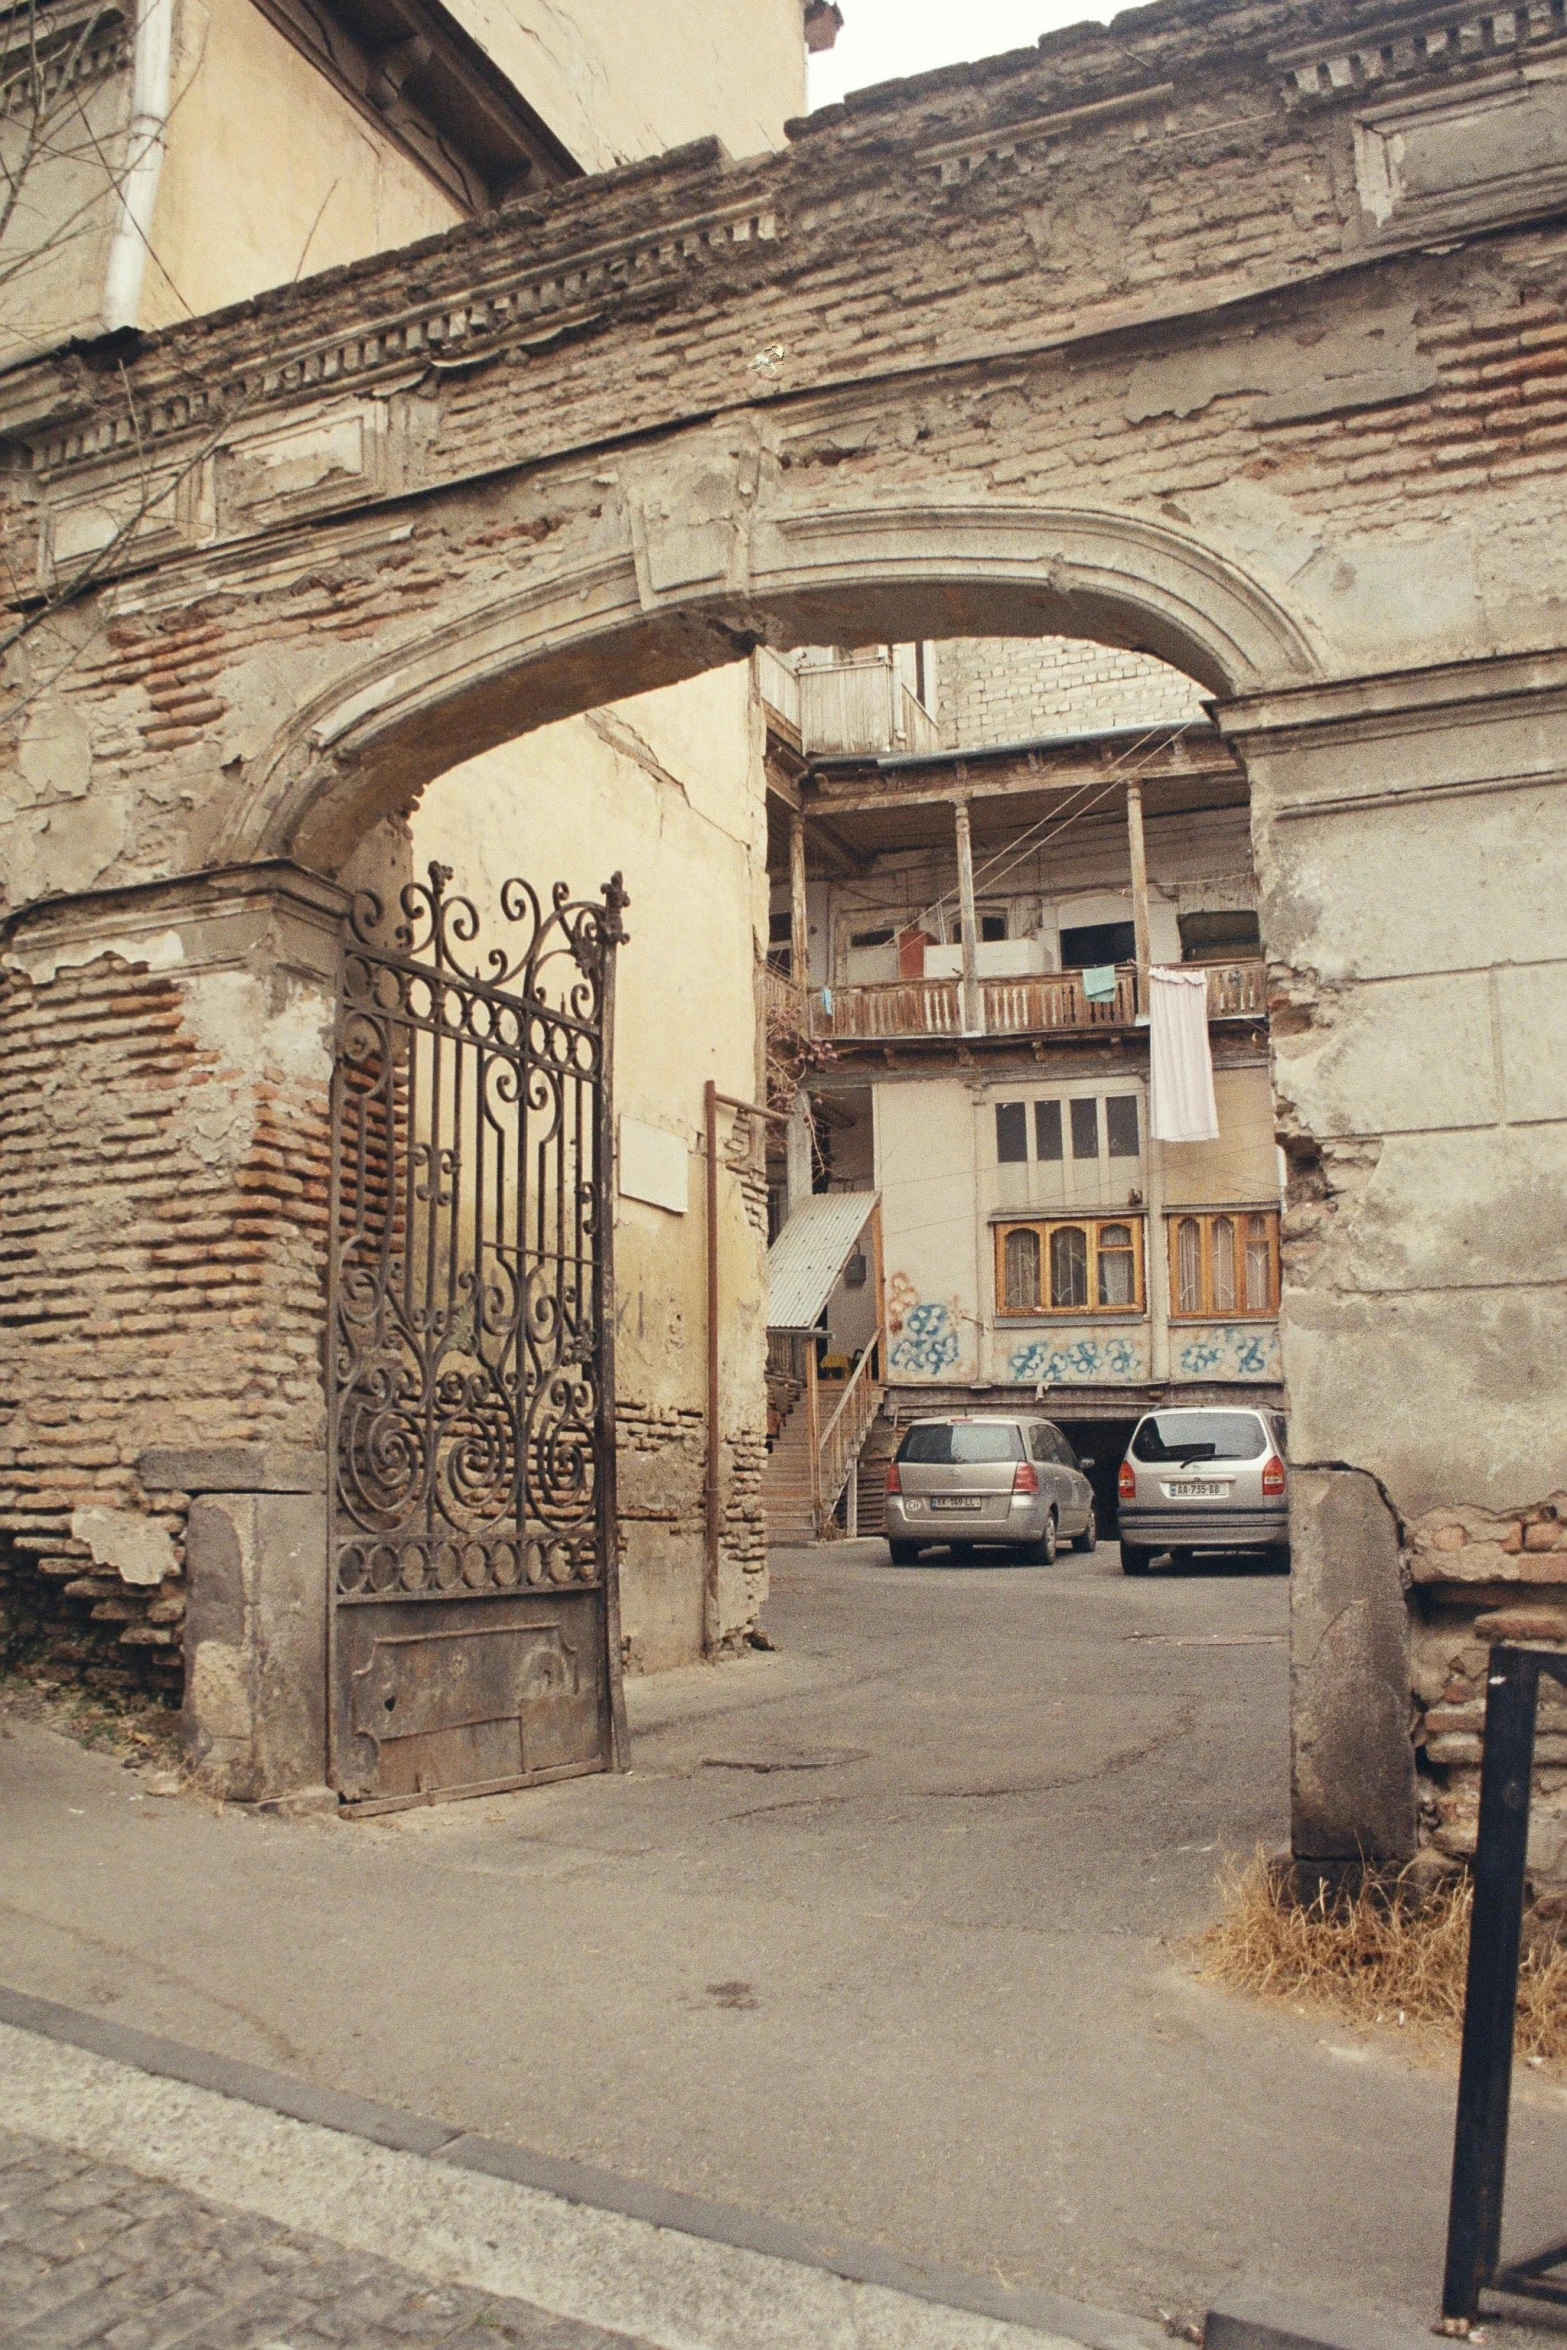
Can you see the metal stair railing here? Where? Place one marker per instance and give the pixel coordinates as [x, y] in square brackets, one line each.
[838, 1446]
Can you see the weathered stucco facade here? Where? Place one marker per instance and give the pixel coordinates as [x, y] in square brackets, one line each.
[1137, 338]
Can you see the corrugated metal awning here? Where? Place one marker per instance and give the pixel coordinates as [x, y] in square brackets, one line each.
[810, 1252]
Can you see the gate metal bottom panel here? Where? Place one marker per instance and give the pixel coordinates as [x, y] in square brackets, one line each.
[482, 1695]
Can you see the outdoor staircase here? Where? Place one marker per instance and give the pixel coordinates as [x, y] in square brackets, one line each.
[787, 1483]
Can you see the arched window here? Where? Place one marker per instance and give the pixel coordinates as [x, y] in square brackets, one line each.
[1188, 1266]
[1222, 1264]
[1091, 1267]
[1117, 1266]
[1068, 1266]
[1021, 1271]
[1259, 1264]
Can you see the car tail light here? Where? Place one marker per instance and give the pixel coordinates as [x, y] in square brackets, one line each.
[894, 1481]
[1025, 1478]
[1273, 1477]
[1126, 1482]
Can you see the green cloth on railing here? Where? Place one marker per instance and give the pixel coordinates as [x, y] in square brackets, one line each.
[1099, 983]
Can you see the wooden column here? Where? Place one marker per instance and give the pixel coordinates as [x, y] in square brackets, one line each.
[972, 1000]
[1139, 855]
[813, 1430]
[799, 935]
[1156, 1269]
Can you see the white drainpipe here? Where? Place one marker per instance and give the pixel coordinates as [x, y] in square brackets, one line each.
[138, 190]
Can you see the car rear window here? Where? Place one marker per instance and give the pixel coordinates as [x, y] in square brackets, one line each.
[956, 1443]
[1209, 1436]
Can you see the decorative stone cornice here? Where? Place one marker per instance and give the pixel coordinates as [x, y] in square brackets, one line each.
[682, 230]
[1409, 44]
[521, 311]
[72, 46]
[1027, 144]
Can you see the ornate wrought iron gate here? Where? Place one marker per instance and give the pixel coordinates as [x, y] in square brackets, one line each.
[474, 1637]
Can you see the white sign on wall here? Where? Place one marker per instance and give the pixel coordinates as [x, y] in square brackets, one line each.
[655, 1166]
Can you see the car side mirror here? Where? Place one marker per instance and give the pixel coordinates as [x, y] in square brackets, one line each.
[1085, 1460]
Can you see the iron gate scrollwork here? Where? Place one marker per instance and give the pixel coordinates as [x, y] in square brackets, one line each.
[474, 1640]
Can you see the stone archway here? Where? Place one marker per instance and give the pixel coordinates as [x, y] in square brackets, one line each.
[1140, 338]
[596, 623]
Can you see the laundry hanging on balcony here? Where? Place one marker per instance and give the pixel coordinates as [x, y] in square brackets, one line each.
[1099, 983]
[1180, 1089]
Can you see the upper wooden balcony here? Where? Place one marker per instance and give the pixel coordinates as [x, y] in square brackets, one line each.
[1042, 1005]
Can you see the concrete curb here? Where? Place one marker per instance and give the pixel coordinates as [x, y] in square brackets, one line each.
[1252, 2319]
[771, 2259]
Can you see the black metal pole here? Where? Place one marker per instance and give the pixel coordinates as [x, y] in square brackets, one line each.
[1474, 2224]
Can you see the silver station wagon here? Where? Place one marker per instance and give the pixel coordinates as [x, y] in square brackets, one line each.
[1203, 1480]
[987, 1479]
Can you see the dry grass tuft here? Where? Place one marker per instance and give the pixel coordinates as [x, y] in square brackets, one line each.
[132, 1727]
[1387, 1950]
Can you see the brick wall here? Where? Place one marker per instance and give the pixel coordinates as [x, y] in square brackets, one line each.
[1480, 1577]
[1009, 689]
[164, 1224]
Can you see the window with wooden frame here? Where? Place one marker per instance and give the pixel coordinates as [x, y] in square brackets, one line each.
[1224, 1266]
[1070, 1265]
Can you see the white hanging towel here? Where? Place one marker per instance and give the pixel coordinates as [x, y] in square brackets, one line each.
[1180, 1092]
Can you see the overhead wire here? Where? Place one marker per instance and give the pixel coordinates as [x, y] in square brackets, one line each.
[1024, 845]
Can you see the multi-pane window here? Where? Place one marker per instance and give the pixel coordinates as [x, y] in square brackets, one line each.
[1011, 1132]
[1047, 1130]
[1225, 1264]
[1121, 1125]
[1117, 1134]
[1070, 1265]
[1085, 1128]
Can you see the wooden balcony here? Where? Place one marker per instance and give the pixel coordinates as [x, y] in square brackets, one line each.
[1020, 1007]
[785, 1009]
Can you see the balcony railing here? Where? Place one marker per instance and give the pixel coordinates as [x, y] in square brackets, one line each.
[784, 1007]
[778, 686]
[1237, 991]
[864, 707]
[1020, 1007]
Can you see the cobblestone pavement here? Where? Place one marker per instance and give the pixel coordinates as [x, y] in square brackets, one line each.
[94, 2254]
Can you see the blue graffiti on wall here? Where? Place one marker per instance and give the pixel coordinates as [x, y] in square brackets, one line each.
[1084, 1358]
[927, 1344]
[1235, 1350]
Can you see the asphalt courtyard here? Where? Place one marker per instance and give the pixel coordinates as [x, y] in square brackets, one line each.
[881, 1934]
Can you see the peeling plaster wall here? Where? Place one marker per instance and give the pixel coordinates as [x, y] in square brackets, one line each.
[1408, 860]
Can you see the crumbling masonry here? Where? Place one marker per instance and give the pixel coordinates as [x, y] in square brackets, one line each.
[1239, 337]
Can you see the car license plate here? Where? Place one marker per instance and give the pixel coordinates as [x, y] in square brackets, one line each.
[954, 1501]
[1196, 1489]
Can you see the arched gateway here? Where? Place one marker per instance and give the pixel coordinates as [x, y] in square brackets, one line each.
[1235, 336]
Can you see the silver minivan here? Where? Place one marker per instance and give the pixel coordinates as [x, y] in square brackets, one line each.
[987, 1478]
[1207, 1478]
